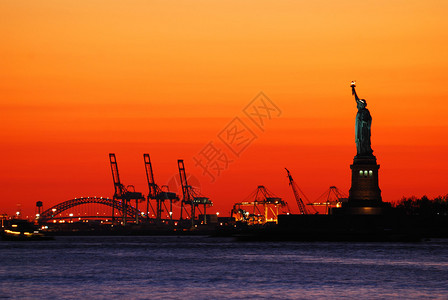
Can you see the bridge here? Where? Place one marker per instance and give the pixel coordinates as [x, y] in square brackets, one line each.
[90, 210]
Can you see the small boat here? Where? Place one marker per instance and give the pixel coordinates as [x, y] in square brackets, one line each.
[23, 230]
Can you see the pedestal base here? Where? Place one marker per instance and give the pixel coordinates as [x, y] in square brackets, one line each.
[364, 194]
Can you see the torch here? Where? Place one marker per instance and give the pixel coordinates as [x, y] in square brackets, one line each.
[353, 85]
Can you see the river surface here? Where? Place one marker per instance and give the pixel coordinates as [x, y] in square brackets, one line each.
[191, 267]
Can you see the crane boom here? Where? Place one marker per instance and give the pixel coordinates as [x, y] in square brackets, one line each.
[119, 188]
[185, 191]
[183, 181]
[299, 201]
[150, 177]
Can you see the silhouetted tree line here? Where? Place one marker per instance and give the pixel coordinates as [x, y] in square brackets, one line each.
[424, 206]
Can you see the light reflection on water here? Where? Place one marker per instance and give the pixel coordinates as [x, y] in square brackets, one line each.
[205, 268]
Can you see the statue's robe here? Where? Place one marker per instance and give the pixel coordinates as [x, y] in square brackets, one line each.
[362, 134]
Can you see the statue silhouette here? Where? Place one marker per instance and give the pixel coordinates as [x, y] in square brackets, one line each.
[362, 126]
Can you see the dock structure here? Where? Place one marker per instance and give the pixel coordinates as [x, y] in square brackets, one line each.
[262, 207]
[192, 198]
[158, 194]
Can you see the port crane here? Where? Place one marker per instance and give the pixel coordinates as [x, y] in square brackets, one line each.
[295, 189]
[261, 207]
[124, 193]
[156, 193]
[333, 197]
[191, 197]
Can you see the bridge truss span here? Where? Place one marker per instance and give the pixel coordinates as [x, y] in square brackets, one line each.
[56, 211]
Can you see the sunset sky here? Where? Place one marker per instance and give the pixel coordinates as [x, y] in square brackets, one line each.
[81, 79]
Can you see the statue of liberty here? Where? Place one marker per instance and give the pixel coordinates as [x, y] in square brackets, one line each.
[362, 126]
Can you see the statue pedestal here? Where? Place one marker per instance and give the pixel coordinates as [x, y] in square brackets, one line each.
[365, 194]
[365, 190]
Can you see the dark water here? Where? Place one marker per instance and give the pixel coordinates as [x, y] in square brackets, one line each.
[215, 268]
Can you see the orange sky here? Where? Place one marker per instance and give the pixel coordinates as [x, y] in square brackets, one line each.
[80, 79]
